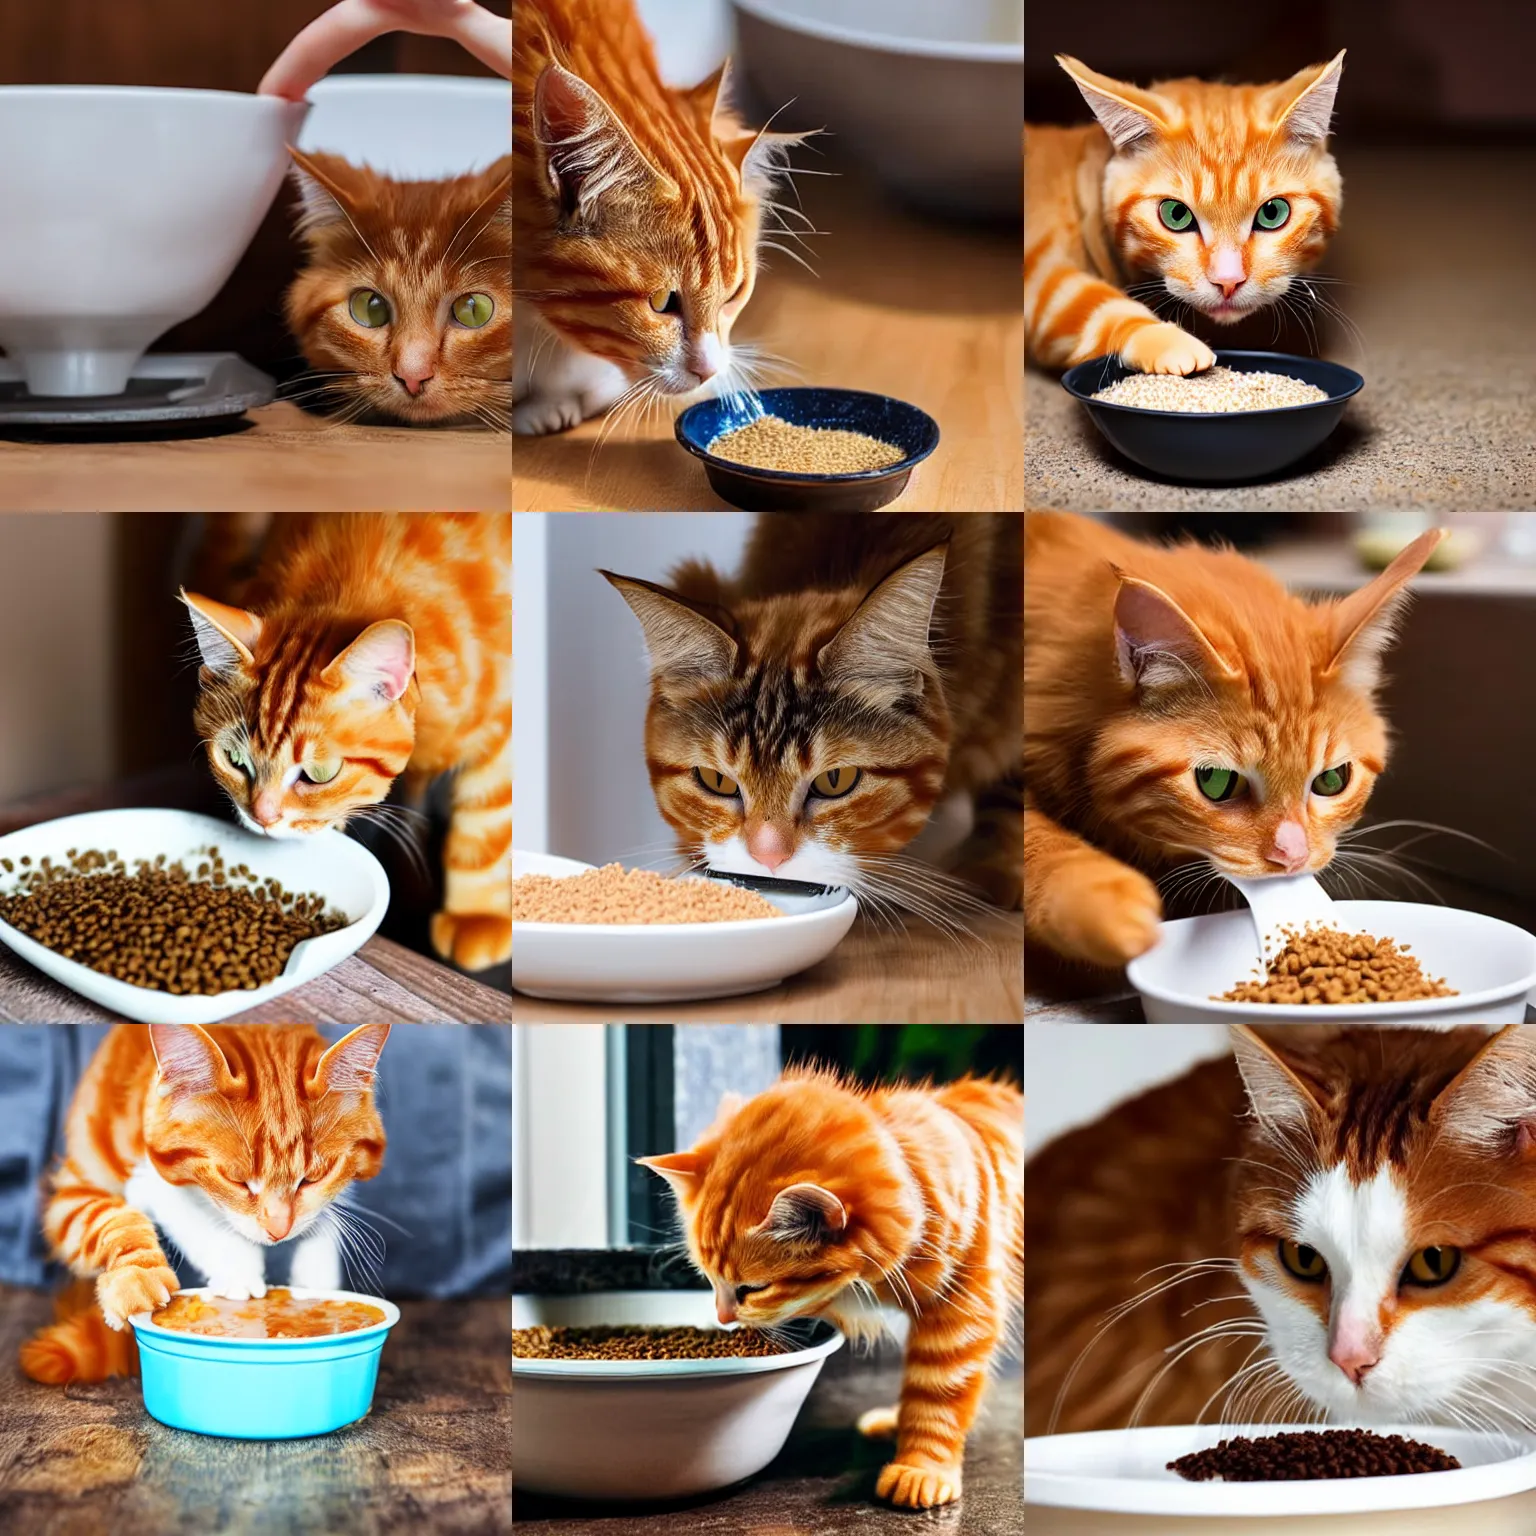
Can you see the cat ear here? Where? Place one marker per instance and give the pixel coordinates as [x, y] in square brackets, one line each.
[381, 659]
[1157, 644]
[804, 1214]
[882, 651]
[190, 1062]
[1125, 112]
[679, 1169]
[681, 642]
[349, 1065]
[226, 636]
[324, 191]
[1281, 1101]
[1303, 105]
[757, 154]
[1490, 1105]
[1361, 625]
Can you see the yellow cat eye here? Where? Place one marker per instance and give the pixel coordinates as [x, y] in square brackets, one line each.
[1432, 1266]
[368, 308]
[715, 782]
[835, 782]
[322, 773]
[666, 301]
[1303, 1262]
[473, 309]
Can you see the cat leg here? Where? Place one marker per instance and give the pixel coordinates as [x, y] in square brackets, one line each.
[474, 929]
[992, 857]
[233, 1266]
[878, 1424]
[317, 1259]
[558, 386]
[78, 1345]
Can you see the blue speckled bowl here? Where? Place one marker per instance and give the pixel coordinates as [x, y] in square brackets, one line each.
[893, 421]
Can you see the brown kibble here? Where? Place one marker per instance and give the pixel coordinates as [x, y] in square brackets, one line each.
[614, 894]
[639, 1343]
[1311, 1454]
[770, 442]
[1325, 966]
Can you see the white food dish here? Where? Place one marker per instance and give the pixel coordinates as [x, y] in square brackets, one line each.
[650, 1429]
[330, 864]
[670, 962]
[1492, 965]
[1116, 1483]
[126, 209]
[1283, 902]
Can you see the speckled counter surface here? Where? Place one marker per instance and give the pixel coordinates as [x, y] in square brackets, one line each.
[1447, 418]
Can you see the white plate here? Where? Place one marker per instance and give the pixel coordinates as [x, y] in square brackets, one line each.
[329, 863]
[670, 962]
[1491, 964]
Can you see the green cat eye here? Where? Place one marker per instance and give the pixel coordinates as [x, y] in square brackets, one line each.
[1432, 1266]
[1273, 214]
[1332, 781]
[1218, 783]
[1303, 1262]
[322, 773]
[368, 308]
[237, 757]
[835, 782]
[473, 309]
[1175, 215]
[715, 782]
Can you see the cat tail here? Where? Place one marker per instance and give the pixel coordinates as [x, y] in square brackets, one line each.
[78, 1345]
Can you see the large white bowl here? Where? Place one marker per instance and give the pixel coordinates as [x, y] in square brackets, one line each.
[123, 211]
[650, 1429]
[1491, 964]
[332, 865]
[670, 962]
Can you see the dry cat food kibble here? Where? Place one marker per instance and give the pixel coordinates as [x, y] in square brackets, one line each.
[773, 443]
[1323, 966]
[1311, 1454]
[639, 1343]
[214, 928]
[277, 1315]
[1217, 389]
[614, 894]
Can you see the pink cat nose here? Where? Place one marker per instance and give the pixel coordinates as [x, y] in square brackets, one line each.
[766, 844]
[277, 1220]
[267, 808]
[413, 380]
[1354, 1357]
[1229, 286]
[1290, 849]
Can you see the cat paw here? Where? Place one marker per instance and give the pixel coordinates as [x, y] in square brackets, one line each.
[878, 1424]
[916, 1487]
[473, 941]
[539, 415]
[1110, 917]
[1164, 348]
[237, 1289]
[130, 1289]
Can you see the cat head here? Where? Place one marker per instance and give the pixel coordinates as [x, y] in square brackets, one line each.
[1225, 192]
[790, 1197]
[794, 735]
[304, 723]
[1250, 736]
[1386, 1211]
[405, 306]
[268, 1121]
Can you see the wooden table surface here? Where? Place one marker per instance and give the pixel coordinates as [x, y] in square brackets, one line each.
[929, 312]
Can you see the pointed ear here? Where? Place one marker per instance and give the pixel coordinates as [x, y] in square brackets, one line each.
[350, 1064]
[380, 661]
[1361, 625]
[1157, 644]
[1281, 1100]
[190, 1062]
[882, 651]
[679, 1169]
[327, 186]
[757, 154]
[1303, 105]
[1125, 112]
[681, 642]
[226, 636]
[804, 1214]
[1490, 1105]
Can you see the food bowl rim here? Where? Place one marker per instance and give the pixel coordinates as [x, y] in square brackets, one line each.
[1088, 400]
[649, 1370]
[143, 1322]
[885, 42]
[148, 92]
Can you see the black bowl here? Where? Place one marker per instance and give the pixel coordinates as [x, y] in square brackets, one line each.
[774, 490]
[1218, 447]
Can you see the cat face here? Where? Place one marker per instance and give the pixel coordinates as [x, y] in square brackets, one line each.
[270, 1123]
[1386, 1219]
[304, 726]
[795, 736]
[1226, 193]
[405, 308]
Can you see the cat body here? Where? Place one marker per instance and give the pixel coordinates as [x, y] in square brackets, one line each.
[372, 645]
[854, 689]
[222, 1142]
[1219, 197]
[1182, 703]
[813, 1197]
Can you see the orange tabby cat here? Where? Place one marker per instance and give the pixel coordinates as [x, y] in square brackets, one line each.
[1179, 704]
[405, 306]
[1221, 195]
[226, 1140]
[371, 645]
[815, 1198]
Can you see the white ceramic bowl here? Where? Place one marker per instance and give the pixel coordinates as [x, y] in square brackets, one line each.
[670, 962]
[122, 212]
[329, 863]
[1491, 964]
[1116, 1483]
[411, 127]
[650, 1429]
[930, 95]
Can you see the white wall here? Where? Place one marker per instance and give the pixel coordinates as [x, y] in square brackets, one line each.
[530, 683]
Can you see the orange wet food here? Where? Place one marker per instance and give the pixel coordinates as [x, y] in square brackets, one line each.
[277, 1315]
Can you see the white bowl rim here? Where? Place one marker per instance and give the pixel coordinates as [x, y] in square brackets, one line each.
[147, 93]
[980, 53]
[649, 1370]
[142, 1322]
[454, 85]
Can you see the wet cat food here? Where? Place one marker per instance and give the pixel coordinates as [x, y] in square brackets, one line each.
[277, 1315]
[1323, 966]
[1217, 389]
[770, 442]
[213, 928]
[614, 894]
[639, 1343]
[1311, 1454]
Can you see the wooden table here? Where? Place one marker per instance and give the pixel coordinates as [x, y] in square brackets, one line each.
[927, 311]
[435, 1454]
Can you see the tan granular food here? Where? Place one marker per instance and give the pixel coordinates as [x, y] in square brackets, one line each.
[1322, 965]
[1217, 389]
[770, 442]
[614, 894]
[638, 1343]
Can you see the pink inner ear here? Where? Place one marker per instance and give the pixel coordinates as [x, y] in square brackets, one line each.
[384, 655]
[1525, 1138]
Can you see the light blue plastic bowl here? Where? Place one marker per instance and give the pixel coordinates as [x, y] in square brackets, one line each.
[262, 1389]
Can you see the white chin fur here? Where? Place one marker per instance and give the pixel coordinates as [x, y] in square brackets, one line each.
[278, 833]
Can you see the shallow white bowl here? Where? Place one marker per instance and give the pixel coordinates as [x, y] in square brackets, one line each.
[1116, 1483]
[1492, 965]
[329, 863]
[649, 1429]
[124, 212]
[670, 962]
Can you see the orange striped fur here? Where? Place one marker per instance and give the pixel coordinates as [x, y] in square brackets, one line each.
[263, 1126]
[374, 645]
[1092, 224]
[816, 1197]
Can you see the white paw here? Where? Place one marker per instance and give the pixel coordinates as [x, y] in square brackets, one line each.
[539, 415]
[232, 1289]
